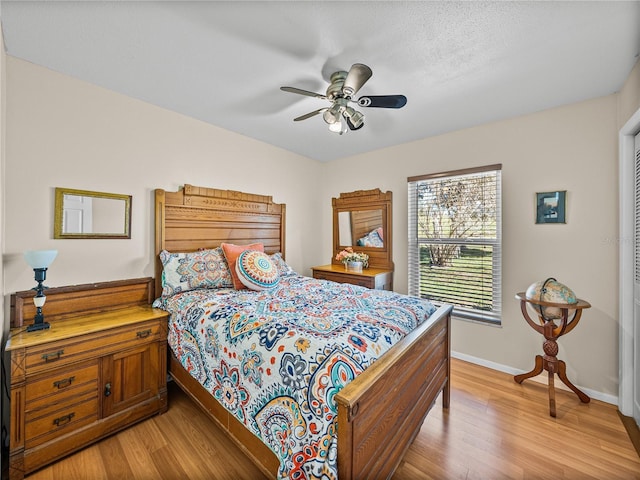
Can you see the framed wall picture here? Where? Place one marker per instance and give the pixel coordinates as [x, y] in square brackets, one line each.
[551, 207]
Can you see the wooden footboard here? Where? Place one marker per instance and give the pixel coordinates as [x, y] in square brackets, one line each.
[379, 413]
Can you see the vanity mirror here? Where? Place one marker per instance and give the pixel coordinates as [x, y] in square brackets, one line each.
[362, 220]
[361, 228]
[87, 214]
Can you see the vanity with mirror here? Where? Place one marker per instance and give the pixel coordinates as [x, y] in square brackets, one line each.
[87, 214]
[362, 221]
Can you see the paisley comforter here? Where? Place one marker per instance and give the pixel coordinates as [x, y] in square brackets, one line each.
[275, 359]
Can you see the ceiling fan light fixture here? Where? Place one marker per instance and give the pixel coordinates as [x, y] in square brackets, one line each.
[356, 117]
[340, 127]
[332, 115]
[329, 118]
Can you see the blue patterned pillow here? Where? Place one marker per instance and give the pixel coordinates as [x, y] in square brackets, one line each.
[372, 239]
[187, 271]
[256, 271]
[283, 267]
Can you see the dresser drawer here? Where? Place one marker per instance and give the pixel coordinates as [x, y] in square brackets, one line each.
[49, 423]
[345, 278]
[65, 352]
[62, 385]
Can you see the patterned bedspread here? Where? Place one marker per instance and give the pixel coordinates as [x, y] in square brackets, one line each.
[275, 359]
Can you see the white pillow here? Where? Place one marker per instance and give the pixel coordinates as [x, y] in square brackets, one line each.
[256, 271]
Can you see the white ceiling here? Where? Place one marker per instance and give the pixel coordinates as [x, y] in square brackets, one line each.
[460, 64]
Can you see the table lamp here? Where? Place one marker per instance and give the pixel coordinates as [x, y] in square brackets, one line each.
[39, 260]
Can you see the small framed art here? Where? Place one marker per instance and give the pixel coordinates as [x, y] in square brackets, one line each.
[551, 207]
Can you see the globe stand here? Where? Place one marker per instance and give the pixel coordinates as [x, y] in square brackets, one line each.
[551, 333]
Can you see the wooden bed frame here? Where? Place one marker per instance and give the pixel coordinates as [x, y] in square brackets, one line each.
[382, 410]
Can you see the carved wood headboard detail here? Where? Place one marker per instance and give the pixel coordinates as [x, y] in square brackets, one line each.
[198, 217]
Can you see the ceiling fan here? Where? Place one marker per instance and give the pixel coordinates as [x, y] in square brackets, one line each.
[341, 116]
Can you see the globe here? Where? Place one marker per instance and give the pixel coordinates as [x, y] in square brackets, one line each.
[550, 290]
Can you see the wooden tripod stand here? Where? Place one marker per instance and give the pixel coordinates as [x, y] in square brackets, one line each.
[551, 333]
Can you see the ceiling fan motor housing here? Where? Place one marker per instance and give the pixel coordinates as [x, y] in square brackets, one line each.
[334, 90]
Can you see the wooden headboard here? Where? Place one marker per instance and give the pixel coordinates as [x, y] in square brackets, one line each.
[196, 217]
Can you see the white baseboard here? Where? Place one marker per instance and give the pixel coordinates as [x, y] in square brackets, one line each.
[542, 378]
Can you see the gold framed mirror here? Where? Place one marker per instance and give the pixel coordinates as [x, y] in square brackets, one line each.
[362, 220]
[87, 214]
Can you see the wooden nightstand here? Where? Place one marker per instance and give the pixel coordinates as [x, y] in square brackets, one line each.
[95, 371]
[375, 278]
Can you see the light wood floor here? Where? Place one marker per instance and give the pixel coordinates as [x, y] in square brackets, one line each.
[495, 429]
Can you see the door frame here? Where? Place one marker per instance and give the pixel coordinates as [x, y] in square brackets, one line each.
[626, 176]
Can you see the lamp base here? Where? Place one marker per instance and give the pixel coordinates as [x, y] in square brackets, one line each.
[34, 327]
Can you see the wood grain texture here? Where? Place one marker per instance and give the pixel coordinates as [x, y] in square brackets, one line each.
[366, 201]
[632, 429]
[92, 373]
[495, 429]
[64, 303]
[375, 278]
[365, 221]
[197, 217]
[387, 403]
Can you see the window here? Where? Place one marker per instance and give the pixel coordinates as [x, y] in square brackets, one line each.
[455, 240]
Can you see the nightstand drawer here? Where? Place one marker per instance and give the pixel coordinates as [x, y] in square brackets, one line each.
[80, 348]
[60, 386]
[47, 424]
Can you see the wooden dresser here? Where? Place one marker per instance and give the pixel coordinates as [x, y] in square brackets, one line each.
[375, 278]
[98, 369]
[357, 216]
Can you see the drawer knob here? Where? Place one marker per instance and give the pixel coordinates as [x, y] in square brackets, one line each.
[143, 333]
[50, 357]
[64, 419]
[107, 389]
[64, 383]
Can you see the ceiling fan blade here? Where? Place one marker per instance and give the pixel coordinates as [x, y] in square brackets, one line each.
[309, 115]
[383, 101]
[299, 91]
[356, 78]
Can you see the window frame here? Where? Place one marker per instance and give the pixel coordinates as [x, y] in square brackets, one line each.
[494, 316]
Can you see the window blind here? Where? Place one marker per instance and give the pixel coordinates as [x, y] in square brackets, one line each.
[455, 244]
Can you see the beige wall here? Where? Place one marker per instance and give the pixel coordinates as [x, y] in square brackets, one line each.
[3, 124]
[629, 97]
[572, 148]
[67, 133]
[63, 132]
